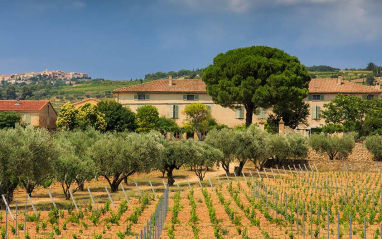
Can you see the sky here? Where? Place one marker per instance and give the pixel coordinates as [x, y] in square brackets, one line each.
[124, 39]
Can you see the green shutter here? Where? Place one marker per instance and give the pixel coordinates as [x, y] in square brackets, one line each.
[310, 97]
[318, 111]
[262, 113]
[135, 97]
[171, 111]
[322, 97]
[176, 115]
[27, 118]
[184, 97]
[314, 112]
[242, 112]
[147, 97]
[196, 97]
[238, 113]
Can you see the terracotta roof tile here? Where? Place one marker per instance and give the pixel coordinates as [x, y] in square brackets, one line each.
[178, 86]
[24, 105]
[329, 85]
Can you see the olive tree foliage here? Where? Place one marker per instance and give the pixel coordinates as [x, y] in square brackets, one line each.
[222, 140]
[74, 163]
[253, 145]
[81, 142]
[374, 145]
[174, 155]
[118, 156]
[34, 155]
[333, 145]
[8, 171]
[204, 157]
[257, 76]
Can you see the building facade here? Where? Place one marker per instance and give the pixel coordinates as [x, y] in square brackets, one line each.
[39, 113]
[170, 97]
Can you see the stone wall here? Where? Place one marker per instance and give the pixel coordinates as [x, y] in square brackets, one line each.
[360, 153]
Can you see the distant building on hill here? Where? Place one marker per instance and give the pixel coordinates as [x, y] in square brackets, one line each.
[39, 113]
[52, 75]
[170, 97]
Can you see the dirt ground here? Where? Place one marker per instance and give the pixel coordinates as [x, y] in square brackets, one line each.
[323, 187]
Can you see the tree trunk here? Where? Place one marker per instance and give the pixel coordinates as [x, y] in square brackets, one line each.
[241, 166]
[170, 178]
[80, 184]
[249, 114]
[226, 168]
[114, 185]
[125, 180]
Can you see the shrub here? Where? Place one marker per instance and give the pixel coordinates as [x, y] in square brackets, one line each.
[374, 145]
[333, 146]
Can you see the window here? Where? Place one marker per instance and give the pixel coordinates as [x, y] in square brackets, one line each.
[316, 112]
[316, 97]
[190, 97]
[240, 113]
[370, 97]
[27, 118]
[262, 113]
[174, 111]
[141, 97]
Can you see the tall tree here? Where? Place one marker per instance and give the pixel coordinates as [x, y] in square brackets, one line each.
[257, 76]
[26, 92]
[67, 118]
[147, 118]
[347, 111]
[90, 116]
[117, 117]
[197, 117]
[10, 92]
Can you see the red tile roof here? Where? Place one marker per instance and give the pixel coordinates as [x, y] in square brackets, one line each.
[330, 85]
[163, 86]
[24, 105]
[323, 85]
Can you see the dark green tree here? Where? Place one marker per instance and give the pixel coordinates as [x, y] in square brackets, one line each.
[347, 111]
[118, 118]
[254, 77]
[10, 92]
[26, 92]
[370, 79]
[8, 119]
[371, 66]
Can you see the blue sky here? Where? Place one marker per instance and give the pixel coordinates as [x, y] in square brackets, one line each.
[123, 39]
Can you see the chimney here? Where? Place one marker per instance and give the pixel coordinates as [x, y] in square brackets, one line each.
[377, 86]
[170, 80]
[339, 80]
[17, 102]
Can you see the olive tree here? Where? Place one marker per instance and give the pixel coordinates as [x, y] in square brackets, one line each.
[123, 154]
[374, 145]
[69, 167]
[205, 156]
[8, 171]
[257, 149]
[82, 141]
[174, 156]
[333, 146]
[33, 156]
[222, 140]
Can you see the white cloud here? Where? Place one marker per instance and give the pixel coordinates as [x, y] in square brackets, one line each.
[318, 22]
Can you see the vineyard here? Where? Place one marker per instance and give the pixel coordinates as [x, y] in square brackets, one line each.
[277, 203]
